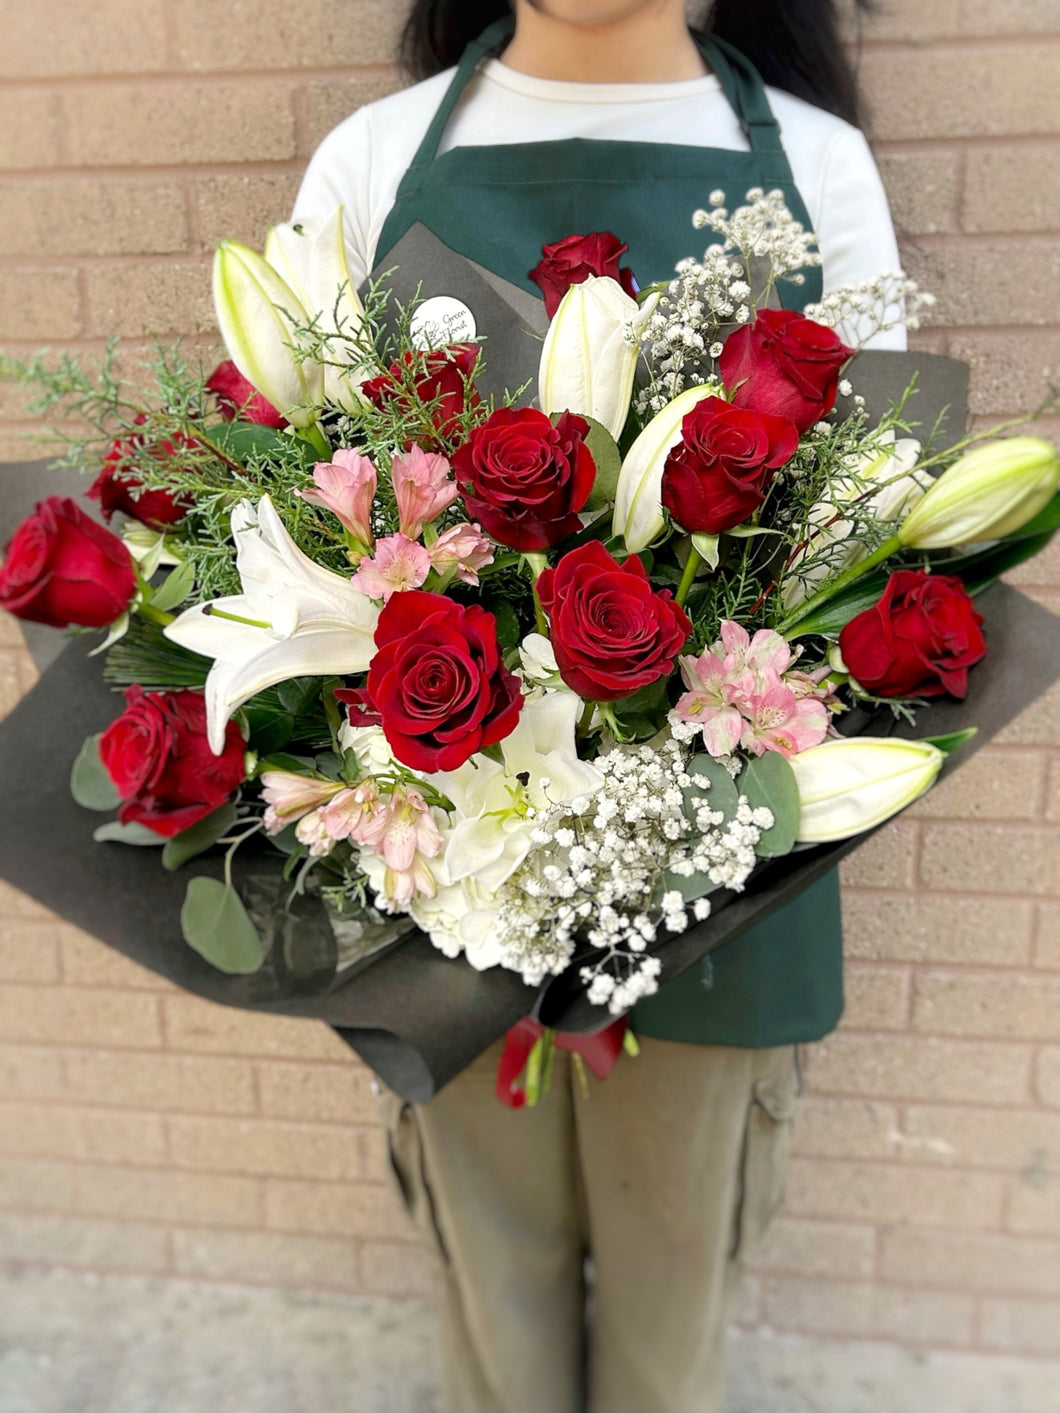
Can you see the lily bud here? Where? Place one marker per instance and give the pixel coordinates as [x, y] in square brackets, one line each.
[638, 496]
[257, 312]
[848, 785]
[591, 351]
[987, 494]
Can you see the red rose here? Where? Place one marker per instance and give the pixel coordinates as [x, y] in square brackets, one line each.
[918, 641]
[62, 568]
[440, 378]
[438, 682]
[573, 259]
[718, 473]
[784, 365]
[523, 479]
[238, 397]
[118, 487]
[611, 631]
[160, 761]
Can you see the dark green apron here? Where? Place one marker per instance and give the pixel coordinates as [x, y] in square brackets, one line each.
[782, 980]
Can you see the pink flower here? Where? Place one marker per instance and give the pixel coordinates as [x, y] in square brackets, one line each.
[778, 720]
[312, 831]
[357, 814]
[466, 548]
[346, 487]
[399, 564]
[408, 830]
[740, 694]
[422, 487]
[289, 796]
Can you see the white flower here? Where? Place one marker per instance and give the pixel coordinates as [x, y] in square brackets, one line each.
[638, 497]
[369, 745]
[591, 350]
[852, 784]
[986, 494]
[293, 619]
[497, 804]
[538, 658]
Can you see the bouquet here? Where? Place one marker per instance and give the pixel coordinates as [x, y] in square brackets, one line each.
[537, 672]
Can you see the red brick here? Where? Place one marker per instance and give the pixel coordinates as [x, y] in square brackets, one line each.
[991, 785]
[877, 998]
[980, 281]
[864, 1311]
[325, 104]
[922, 188]
[142, 298]
[1048, 1076]
[1039, 725]
[89, 962]
[922, 929]
[984, 1263]
[242, 205]
[1022, 860]
[192, 1084]
[87, 1245]
[193, 1024]
[319, 34]
[388, 1268]
[92, 216]
[1015, 187]
[31, 1072]
[345, 1209]
[49, 39]
[891, 1193]
[887, 860]
[896, 1067]
[324, 1093]
[270, 1149]
[29, 128]
[1047, 946]
[36, 1185]
[833, 1250]
[39, 304]
[267, 1258]
[153, 1194]
[994, 18]
[844, 1128]
[967, 1137]
[66, 1016]
[1011, 372]
[105, 1135]
[1034, 1201]
[1021, 1326]
[1010, 1007]
[28, 952]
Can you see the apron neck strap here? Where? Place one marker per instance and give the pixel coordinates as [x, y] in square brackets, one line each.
[739, 79]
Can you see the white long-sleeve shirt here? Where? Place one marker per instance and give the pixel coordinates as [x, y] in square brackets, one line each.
[360, 163]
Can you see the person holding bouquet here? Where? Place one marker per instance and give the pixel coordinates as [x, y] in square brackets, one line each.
[588, 1246]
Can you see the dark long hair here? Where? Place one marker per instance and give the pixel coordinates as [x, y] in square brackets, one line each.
[795, 44]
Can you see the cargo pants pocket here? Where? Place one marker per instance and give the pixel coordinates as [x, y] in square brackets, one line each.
[407, 1168]
[767, 1140]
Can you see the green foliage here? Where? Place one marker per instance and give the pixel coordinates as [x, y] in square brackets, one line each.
[200, 837]
[769, 781]
[217, 925]
[90, 784]
[132, 833]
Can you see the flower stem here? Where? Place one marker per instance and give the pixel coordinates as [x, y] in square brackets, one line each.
[317, 440]
[537, 564]
[586, 719]
[840, 582]
[695, 559]
[155, 615]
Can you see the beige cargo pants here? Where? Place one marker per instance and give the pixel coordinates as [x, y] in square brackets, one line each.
[660, 1176]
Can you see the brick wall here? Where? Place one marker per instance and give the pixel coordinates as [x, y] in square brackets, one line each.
[143, 1130]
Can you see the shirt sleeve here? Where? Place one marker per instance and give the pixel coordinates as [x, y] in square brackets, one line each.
[855, 230]
[340, 174]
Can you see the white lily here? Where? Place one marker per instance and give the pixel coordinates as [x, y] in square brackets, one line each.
[293, 619]
[311, 258]
[851, 784]
[497, 804]
[590, 353]
[257, 313]
[638, 497]
[986, 494]
[891, 467]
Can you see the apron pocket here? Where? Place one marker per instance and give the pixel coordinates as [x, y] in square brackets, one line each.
[407, 1170]
[767, 1139]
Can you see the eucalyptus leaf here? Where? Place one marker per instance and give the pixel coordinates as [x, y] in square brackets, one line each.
[709, 546]
[217, 925]
[696, 885]
[710, 778]
[605, 453]
[199, 837]
[175, 588]
[769, 781]
[132, 833]
[90, 784]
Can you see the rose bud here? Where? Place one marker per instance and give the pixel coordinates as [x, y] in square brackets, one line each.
[590, 352]
[918, 641]
[64, 569]
[236, 397]
[524, 479]
[160, 761]
[987, 494]
[119, 488]
[573, 259]
[719, 472]
[848, 785]
[611, 631]
[442, 379]
[785, 365]
[438, 682]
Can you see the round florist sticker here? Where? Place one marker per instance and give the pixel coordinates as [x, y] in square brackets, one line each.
[440, 320]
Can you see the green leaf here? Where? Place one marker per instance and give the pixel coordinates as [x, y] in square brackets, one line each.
[90, 784]
[608, 458]
[509, 634]
[954, 741]
[709, 546]
[715, 782]
[981, 568]
[217, 925]
[299, 694]
[696, 885]
[118, 630]
[199, 837]
[770, 781]
[241, 440]
[832, 617]
[175, 588]
[133, 833]
[280, 760]
[268, 730]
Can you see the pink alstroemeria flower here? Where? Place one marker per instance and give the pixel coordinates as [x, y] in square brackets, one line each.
[423, 488]
[398, 564]
[464, 546]
[409, 838]
[288, 796]
[357, 814]
[740, 694]
[346, 486]
[312, 831]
